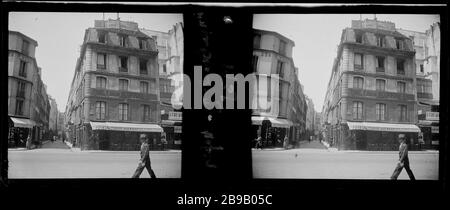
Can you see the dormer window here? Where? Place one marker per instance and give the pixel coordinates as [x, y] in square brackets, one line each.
[102, 37]
[399, 44]
[380, 41]
[123, 40]
[358, 37]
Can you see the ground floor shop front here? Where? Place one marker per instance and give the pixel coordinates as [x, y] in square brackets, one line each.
[272, 132]
[116, 136]
[371, 136]
[20, 128]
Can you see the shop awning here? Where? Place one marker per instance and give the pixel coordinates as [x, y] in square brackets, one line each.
[23, 123]
[390, 127]
[276, 122]
[132, 127]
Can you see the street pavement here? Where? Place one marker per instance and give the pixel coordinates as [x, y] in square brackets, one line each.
[57, 160]
[313, 161]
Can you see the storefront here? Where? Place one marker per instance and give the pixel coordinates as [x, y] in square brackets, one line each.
[18, 131]
[375, 136]
[120, 136]
[276, 132]
[172, 129]
[429, 127]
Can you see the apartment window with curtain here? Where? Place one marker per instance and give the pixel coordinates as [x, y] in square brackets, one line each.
[100, 110]
[143, 67]
[23, 69]
[146, 113]
[25, 47]
[123, 84]
[19, 107]
[101, 36]
[255, 63]
[144, 87]
[257, 41]
[123, 61]
[401, 87]
[101, 61]
[381, 85]
[123, 111]
[100, 82]
[280, 69]
[379, 62]
[359, 61]
[21, 89]
[358, 82]
[282, 49]
[380, 111]
[123, 40]
[403, 113]
[401, 66]
[357, 110]
[380, 41]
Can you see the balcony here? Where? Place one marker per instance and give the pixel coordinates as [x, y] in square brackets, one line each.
[361, 93]
[424, 95]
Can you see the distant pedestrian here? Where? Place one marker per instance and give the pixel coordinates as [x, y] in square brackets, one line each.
[258, 144]
[28, 143]
[285, 142]
[144, 162]
[403, 161]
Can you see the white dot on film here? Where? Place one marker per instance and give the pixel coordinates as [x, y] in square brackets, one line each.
[227, 19]
[209, 117]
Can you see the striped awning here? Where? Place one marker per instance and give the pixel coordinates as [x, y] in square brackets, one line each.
[23, 123]
[132, 127]
[389, 127]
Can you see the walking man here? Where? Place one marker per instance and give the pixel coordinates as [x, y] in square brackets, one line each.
[403, 161]
[144, 162]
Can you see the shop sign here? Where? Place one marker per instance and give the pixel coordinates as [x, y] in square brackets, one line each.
[432, 116]
[175, 115]
[434, 129]
[177, 129]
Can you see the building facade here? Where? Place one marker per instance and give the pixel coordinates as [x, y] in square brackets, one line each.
[371, 94]
[427, 47]
[28, 105]
[53, 117]
[310, 119]
[170, 60]
[115, 89]
[277, 81]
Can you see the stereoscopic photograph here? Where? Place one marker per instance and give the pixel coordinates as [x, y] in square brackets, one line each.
[90, 95]
[356, 96]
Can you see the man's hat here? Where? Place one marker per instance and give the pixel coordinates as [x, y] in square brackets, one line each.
[401, 135]
[143, 136]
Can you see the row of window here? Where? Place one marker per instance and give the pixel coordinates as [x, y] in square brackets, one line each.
[123, 40]
[379, 63]
[123, 63]
[101, 83]
[380, 111]
[257, 44]
[100, 111]
[279, 70]
[381, 41]
[358, 82]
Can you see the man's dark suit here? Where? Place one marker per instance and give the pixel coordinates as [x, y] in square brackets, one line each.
[403, 162]
[144, 162]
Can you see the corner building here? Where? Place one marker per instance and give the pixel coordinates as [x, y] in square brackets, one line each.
[371, 95]
[115, 89]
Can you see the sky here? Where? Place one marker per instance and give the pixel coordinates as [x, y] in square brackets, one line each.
[60, 35]
[317, 37]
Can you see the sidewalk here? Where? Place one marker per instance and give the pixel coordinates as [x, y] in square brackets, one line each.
[77, 149]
